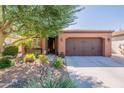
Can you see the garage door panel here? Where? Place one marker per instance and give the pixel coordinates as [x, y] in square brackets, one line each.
[84, 47]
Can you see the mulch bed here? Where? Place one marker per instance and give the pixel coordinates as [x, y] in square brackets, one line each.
[17, 76]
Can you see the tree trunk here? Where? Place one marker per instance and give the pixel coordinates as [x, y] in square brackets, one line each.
[2, 40]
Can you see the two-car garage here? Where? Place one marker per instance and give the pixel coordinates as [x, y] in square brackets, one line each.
[84, 47]
[85, 43]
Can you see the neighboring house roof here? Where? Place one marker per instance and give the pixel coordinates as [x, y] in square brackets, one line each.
[87, 31]
[118, 33]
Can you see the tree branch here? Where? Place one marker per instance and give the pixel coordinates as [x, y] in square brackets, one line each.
[5, 26]
[21, 39]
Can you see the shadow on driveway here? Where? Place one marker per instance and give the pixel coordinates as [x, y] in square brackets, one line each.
[86, 81]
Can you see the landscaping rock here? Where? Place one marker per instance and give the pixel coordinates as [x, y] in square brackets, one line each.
[17, 84]
[17, 76]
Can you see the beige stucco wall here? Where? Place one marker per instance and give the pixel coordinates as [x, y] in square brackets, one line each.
[106, 36]
[118, 44]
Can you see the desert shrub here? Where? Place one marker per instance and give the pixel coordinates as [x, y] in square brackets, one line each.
[10, 51]
[29, 58]
[43, 58]
[5, 62]
[13, 63]
[58, 63]
[58, 83]
[49, 82]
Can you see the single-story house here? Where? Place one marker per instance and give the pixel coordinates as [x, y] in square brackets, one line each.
[118, 42]
[79, 43]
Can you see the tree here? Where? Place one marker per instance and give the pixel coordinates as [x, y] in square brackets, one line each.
[35, 21]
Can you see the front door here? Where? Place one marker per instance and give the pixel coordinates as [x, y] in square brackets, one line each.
[51, 45]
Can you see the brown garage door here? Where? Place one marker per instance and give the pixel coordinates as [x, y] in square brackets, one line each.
[84, 47]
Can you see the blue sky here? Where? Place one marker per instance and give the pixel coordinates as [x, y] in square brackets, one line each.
[100, 17]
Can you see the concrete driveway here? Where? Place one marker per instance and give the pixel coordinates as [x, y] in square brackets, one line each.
[89, 72]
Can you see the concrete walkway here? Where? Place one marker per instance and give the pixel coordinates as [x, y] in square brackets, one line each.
[89, 72]
[51, 57]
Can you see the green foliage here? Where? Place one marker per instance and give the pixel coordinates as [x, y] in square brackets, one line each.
[48, 82]
[11, 51]
[58, 63]
[43, 58]
[39, 20]
[36, 20]
[58, 83]
[13, 63]
[5, 62]
[29, 58]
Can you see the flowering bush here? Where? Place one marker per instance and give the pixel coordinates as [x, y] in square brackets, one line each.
[43, 58]
[29, 58]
